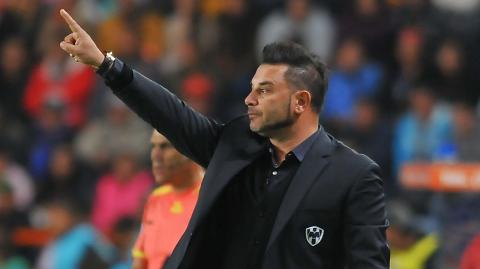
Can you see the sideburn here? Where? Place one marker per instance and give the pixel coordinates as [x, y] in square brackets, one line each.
[289, 120]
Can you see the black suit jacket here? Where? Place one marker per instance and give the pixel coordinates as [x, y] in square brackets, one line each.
[336, 197]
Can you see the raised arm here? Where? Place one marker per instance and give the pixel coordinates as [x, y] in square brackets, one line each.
[190, 132]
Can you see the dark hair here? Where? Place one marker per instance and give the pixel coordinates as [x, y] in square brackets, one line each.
[70, 204]
[305, 71]
[124, 225]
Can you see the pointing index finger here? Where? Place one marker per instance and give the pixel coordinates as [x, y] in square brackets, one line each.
[70, 21]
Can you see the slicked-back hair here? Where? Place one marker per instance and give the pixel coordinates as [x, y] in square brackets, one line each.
[305, 70]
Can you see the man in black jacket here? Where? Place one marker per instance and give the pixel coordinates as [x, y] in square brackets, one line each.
[278, 192]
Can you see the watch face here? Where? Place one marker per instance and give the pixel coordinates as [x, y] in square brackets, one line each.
[110, 56]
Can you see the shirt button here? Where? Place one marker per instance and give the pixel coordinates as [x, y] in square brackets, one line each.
[261, 214]
[274, 173]
[256, 242]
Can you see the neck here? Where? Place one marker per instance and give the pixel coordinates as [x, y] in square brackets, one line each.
[289, 138]
[186, 179]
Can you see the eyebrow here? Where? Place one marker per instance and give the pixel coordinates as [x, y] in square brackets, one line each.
[263, 83]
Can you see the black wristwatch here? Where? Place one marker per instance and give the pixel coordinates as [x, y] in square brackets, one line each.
[106, 65]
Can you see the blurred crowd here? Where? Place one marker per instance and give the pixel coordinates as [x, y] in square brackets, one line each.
[74, 171]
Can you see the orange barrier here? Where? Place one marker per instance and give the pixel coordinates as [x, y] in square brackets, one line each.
[29, 237]
[449, 177]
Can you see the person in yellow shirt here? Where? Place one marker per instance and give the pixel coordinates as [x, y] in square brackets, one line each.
[169, 207]
[410, 246]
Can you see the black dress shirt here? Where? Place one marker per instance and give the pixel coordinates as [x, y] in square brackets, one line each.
[250, 206]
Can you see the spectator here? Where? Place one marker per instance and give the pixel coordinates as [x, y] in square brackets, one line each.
[18, 179]
[353, 77]
[234, 56]
[237, 27]
[372, 134]
[197, 90]
[466, 133]
[57, 77]
[422, 130]
[181, 47]
[452, 79]
[422, 134]
[14, 137]
[24, 18]
[10, 217]
[301, 22]
[411, 247]
[370, 22]
[76, 244]
[13, 74]
[9, 22]
[471, 259]
[123, 236]
[119, 192]
[99, 142]
[50, 130]
[460, 222]
[133, 32]
[409, 55]
[66, 176]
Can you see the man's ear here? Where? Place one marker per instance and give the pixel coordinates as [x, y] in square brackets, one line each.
[303, 101]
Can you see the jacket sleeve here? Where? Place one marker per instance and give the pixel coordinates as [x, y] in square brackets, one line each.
[366, 223]
[193, 134]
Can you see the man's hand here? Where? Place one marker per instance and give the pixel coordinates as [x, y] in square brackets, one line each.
[79, 44]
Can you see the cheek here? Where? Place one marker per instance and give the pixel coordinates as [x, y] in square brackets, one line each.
[172, 157]
[278, 107]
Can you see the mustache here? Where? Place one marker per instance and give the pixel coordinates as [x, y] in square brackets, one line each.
[253, 112]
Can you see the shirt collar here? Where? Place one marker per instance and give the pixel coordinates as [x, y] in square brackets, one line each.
[301, 150]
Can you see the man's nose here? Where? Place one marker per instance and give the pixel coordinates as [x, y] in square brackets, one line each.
[250, 100]
[157, 152]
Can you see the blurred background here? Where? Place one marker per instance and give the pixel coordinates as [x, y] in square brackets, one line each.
[74, 161]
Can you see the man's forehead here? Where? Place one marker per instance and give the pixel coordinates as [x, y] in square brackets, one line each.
[269, 73]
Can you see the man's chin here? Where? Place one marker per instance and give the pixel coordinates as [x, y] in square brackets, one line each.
[253, 128]
[270, 130]
[159, 179]
[257, 130]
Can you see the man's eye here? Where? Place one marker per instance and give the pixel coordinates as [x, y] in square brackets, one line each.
[263, 91]
[165, 146]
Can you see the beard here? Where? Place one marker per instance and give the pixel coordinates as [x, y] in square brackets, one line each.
[272, 127]
[277, 124]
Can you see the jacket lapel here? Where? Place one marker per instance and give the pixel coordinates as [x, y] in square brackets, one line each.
[229, 162]
[309, 170]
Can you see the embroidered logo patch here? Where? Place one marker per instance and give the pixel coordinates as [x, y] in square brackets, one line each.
[314, 235]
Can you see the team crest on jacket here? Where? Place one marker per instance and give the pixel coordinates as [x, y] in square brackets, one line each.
[314, 235]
